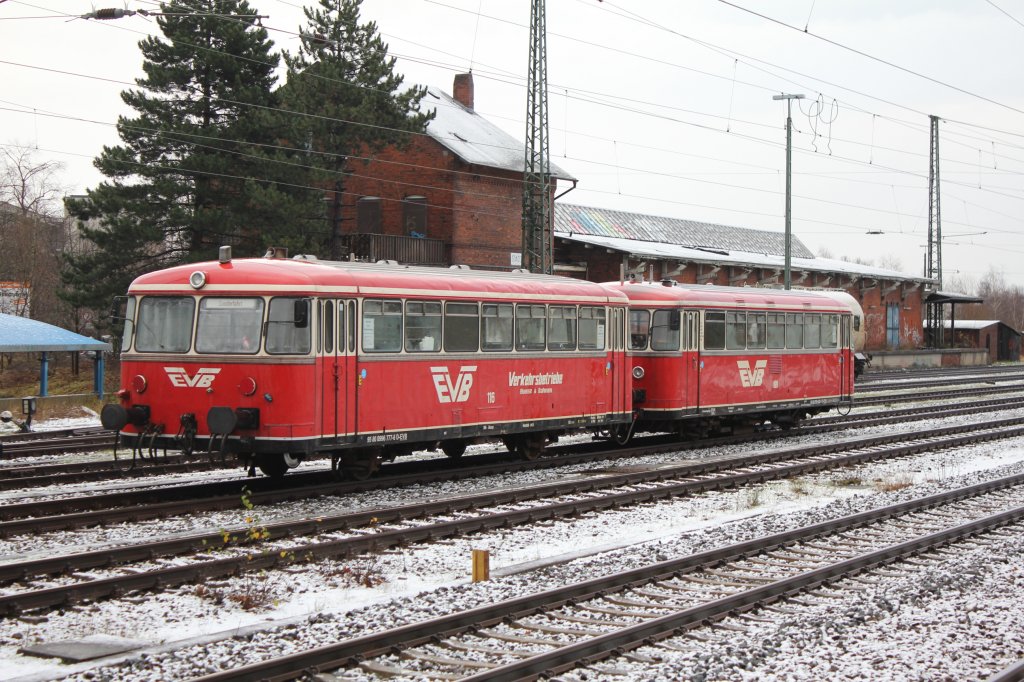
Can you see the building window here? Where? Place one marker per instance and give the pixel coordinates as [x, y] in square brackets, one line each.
[368, 215]
[414, 216]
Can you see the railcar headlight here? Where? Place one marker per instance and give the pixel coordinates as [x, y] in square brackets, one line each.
[638, 372]
[197, 279]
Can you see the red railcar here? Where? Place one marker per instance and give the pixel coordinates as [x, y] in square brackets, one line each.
[275, 359]
[713, 359]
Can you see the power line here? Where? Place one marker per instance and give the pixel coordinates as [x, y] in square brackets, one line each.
[873, 58]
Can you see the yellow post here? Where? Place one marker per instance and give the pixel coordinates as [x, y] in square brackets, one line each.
[481, 565]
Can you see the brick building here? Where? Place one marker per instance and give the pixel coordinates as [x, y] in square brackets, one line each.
[452, 196]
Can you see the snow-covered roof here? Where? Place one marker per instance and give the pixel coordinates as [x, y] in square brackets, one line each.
[22, 335]
[692, 241]
[972, 324]
[473, 138]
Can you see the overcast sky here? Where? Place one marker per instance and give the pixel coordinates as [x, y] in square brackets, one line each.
[660, 106]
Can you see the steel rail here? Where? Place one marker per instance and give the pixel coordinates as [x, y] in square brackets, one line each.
[376, 541]
[59, 514]
[352, 651]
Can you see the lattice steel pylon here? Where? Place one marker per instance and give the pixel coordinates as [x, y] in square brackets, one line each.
[537, 212]
[933, 262]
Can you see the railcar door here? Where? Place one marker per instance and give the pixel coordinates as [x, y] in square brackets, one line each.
[348, 377]
[691, 359]
[338, 375]
[616, 340]
[846, 357]
[332, 341]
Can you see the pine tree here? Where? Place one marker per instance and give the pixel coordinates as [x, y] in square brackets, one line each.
[200, 164]
[343, 80]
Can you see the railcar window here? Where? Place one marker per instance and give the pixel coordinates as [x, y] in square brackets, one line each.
[592, 328]
[530, 325]
[756, 330]
[422, 326]
[714, 330]
[776, 330]
[795, 330]
[352, 322]
[129, 323]
[812, 330]
[639, 329]
[735, 330]
[165, 324]
[856, 323]
[229, 325]
[341, 327]
[496, 326]
[329, 326]
[461, 327]
[665, 330]
[283, 336]
[561, 327]
[829, 331]
[382, 326]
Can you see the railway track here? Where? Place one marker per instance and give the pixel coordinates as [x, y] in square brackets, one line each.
[47, 515]
[892, 374]
[369, 531]
[26, 476]
[605, 618]
[14, 475]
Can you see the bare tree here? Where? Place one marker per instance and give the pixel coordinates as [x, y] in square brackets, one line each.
[33, 233]
[1003, 301]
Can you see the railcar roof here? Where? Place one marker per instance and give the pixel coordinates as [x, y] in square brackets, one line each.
[310, 276]
[733, 297]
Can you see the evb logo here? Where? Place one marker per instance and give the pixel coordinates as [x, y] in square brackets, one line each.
[203, 379]
[751, 377]
[448, 392]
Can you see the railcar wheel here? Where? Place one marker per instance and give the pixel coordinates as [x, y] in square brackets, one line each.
[276, 466]
[530, 447]
[359, 467]
[454, 448]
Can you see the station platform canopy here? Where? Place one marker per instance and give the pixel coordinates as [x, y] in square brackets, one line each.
[22, 335]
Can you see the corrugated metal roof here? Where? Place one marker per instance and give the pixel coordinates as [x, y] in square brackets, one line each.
[603, 222]
[718, 245]
[22, 335]
[473, 138]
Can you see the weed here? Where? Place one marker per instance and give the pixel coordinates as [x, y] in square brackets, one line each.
[847, 480]
[364, 572]
[798, 486]
[255, 592]
[751, 498]
[898, 482]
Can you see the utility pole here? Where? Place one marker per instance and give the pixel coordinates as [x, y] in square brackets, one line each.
[788, 279]
[536, 165]
[933, 262]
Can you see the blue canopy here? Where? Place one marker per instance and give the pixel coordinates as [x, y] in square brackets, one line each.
[22, 335]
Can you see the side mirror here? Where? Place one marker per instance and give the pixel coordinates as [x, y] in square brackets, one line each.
[301, 313]
[117, 307]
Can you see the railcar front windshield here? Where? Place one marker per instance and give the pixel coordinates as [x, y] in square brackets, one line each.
[165, 324]
[229, 325]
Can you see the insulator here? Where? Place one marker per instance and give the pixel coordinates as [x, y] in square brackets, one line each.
[109, 13]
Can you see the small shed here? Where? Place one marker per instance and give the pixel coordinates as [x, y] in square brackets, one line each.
[1001, 340]
[22, 335]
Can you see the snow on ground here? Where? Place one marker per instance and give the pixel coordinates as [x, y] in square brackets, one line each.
[313, 605]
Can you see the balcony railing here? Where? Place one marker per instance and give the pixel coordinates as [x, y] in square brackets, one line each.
[408, 250]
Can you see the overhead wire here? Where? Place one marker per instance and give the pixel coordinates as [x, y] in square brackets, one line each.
[895, 170]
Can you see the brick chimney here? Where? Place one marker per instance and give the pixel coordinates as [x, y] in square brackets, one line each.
[463, 89]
